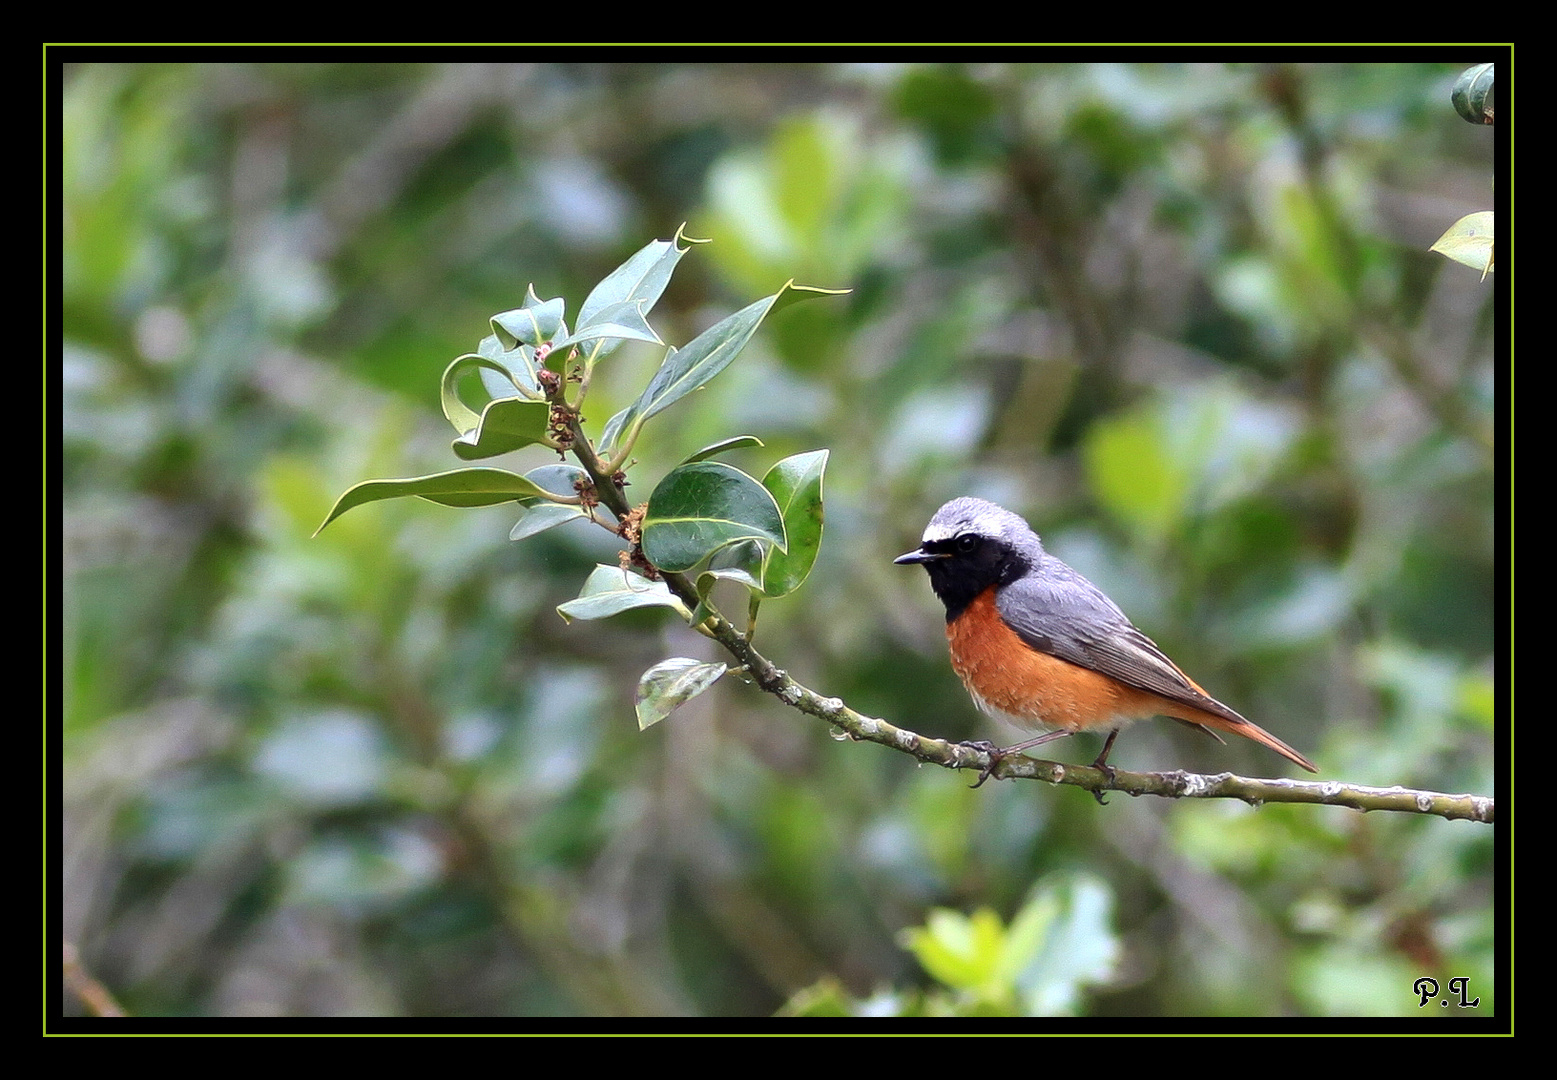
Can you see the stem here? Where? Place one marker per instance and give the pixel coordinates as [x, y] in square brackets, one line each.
[626, 447]
[599, 474]
[551, 496]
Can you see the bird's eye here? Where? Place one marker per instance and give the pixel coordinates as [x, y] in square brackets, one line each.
[967, 542]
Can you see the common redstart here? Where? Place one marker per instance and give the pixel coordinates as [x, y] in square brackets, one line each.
[1041, 647]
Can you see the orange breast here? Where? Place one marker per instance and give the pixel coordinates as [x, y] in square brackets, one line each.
[1008, 677]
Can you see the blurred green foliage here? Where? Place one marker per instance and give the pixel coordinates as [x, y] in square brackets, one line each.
[1183, 317]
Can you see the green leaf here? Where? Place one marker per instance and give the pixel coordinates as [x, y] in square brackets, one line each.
[462, 416]
[671, 683]
[690, 368]
[699, 508]
[1469, 241]
[461, 487]
[539, 516]
[720, 447]
[515, 367]
[559, 478]
[709, 578]
[534, 324]
[610, 590]
[503, 426]
[796, 486]
[619, 322]
[515, 418]
[640, 280]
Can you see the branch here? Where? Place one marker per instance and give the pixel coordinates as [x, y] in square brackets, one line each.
[1170, 785]
[951, 755]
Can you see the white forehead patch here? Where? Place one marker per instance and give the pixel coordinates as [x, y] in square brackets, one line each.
[941, 530]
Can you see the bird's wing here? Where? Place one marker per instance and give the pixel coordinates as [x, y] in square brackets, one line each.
[1061, 613]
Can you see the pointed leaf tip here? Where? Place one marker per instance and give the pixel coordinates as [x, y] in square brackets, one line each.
[683, 238]
[1469, 241]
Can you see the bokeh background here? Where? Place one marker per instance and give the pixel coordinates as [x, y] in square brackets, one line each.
[1181, 316]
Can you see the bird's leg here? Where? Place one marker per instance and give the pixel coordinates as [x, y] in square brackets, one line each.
[1102, 758]
[1107, 769]
[998, 754]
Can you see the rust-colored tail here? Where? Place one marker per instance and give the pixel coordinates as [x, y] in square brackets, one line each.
[1253, 731]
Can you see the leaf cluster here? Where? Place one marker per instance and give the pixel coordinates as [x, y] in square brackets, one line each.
[534, 375]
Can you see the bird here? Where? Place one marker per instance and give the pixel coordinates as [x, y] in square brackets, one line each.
[1038, 645]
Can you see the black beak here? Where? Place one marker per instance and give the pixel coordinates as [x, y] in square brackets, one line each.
[919, 556]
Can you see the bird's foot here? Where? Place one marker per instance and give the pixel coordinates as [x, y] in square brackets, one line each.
[1108, 771]
[995, 756]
